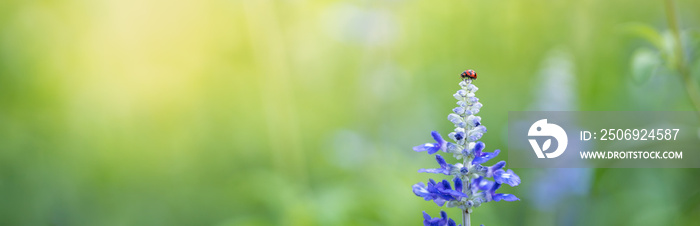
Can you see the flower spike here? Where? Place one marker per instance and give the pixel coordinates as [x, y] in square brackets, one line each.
[472, 186]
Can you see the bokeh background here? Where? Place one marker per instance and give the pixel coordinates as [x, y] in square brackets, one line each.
[304, 112]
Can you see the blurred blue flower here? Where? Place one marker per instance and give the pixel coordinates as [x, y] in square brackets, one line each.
[553, 189]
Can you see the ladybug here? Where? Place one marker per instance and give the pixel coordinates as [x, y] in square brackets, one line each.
[469, 74]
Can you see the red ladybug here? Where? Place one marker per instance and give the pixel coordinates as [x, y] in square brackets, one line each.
[469, 74]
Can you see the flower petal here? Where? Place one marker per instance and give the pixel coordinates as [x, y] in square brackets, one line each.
[455, 119]
[441, 161]
[429, 147]
[437, 137]
[436, 171]
[452, 148]
[506, 177]
[458, 183]
[474, 136]
[455, 194]
[441, 143]
[474, 108]
[474, 120]
[505, 197]
[485, 156]
[479, 129]
[495, 187]
[472, 88]
[451, 222]
[420, 190]
[458, 110]
[463, 84]
[439, 201]
[484, 184]
[494, 168]
[444, 186]
[478, 147]
[472, 100]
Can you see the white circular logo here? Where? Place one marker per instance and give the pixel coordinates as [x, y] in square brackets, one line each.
[543, 129]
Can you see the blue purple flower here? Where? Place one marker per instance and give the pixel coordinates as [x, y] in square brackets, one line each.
[471, 184]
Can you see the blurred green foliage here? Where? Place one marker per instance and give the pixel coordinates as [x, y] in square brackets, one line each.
[259, 112]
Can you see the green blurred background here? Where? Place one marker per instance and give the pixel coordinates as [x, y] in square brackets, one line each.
[296, 112]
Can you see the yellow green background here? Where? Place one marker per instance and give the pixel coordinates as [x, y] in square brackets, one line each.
[296, 112]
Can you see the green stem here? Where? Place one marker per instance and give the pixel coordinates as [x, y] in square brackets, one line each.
[690, 87]
[467, 163]
[465, 218]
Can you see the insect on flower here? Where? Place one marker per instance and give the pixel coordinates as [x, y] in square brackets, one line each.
[469, 74]
[472, 186]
